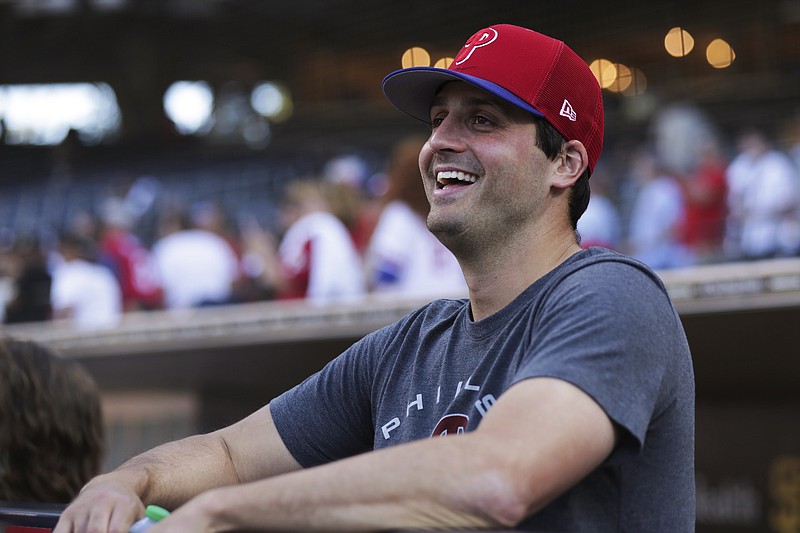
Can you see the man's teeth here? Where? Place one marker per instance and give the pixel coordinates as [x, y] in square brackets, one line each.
[444, 177]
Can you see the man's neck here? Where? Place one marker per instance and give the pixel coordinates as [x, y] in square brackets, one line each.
[495, 281]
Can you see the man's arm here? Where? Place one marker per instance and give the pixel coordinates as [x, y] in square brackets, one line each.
[173, 473]
[540, 438]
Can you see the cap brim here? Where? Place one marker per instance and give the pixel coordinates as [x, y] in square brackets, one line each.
[412, 90]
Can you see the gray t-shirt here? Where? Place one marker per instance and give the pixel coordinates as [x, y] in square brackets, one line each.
[600, 320]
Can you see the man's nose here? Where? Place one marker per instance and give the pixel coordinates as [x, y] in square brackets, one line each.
[448, 135]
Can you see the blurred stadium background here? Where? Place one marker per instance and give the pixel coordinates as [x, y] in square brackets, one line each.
[272, 90]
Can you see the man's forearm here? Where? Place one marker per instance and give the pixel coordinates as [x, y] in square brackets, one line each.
[521, 458]
[173, 473]
[450, 485]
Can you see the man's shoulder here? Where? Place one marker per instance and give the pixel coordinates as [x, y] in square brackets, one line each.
[597, 255]
[440, 307]
[603, 267]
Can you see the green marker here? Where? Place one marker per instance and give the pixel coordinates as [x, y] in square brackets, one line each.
[152, 514]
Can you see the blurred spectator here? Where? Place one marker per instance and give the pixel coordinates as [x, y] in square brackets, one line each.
[84, 224]
[345, 182]
[122, 252]
[762, 201]
[350, 170]
[681, 133]
[260, 263]
[600, 224]
[403, 257]
[657, 215]
[196, 267]
[210, 216]
[31, 282]
[318, 258]
[51, 426]
[83, 291]
[705, 190]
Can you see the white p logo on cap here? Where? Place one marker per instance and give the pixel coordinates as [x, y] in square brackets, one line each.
[486, 38]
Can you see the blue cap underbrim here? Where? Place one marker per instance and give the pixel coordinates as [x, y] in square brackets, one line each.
[412, 90]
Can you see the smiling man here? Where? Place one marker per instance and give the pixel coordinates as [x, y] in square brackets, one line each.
[562, 387]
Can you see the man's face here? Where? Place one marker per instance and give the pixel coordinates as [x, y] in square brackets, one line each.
[483, 173]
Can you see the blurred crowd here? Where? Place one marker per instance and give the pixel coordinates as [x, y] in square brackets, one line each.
[681, 197]
[339, 236]
[685, 197]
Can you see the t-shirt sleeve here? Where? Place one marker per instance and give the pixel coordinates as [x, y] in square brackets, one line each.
[328, 416]
[609, 329]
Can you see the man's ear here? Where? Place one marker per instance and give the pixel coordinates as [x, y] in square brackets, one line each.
[571, 163]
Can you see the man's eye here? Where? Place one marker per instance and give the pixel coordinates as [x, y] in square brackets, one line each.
[480, 120]
[436, 121]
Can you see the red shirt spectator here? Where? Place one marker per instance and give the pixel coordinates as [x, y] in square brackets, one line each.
[705, 193]
[129, 260]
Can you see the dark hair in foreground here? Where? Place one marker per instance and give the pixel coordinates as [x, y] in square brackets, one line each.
[51, 426]
[550, 141]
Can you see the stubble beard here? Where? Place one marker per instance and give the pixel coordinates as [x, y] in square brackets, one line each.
[482, 239]
[467, 240]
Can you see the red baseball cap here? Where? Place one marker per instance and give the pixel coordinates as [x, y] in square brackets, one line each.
[535, 72]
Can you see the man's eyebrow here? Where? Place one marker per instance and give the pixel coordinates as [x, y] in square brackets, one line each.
[473, 101]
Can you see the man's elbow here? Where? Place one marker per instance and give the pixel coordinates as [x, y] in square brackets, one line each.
[503, 501]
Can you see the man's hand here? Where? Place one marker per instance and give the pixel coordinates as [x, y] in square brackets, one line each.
[195, 516]
[175, 472]
[103, 506]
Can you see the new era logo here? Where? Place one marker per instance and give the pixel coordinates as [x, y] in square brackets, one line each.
[567, 111]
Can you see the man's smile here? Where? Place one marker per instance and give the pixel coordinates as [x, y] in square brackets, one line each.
[454, 177]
